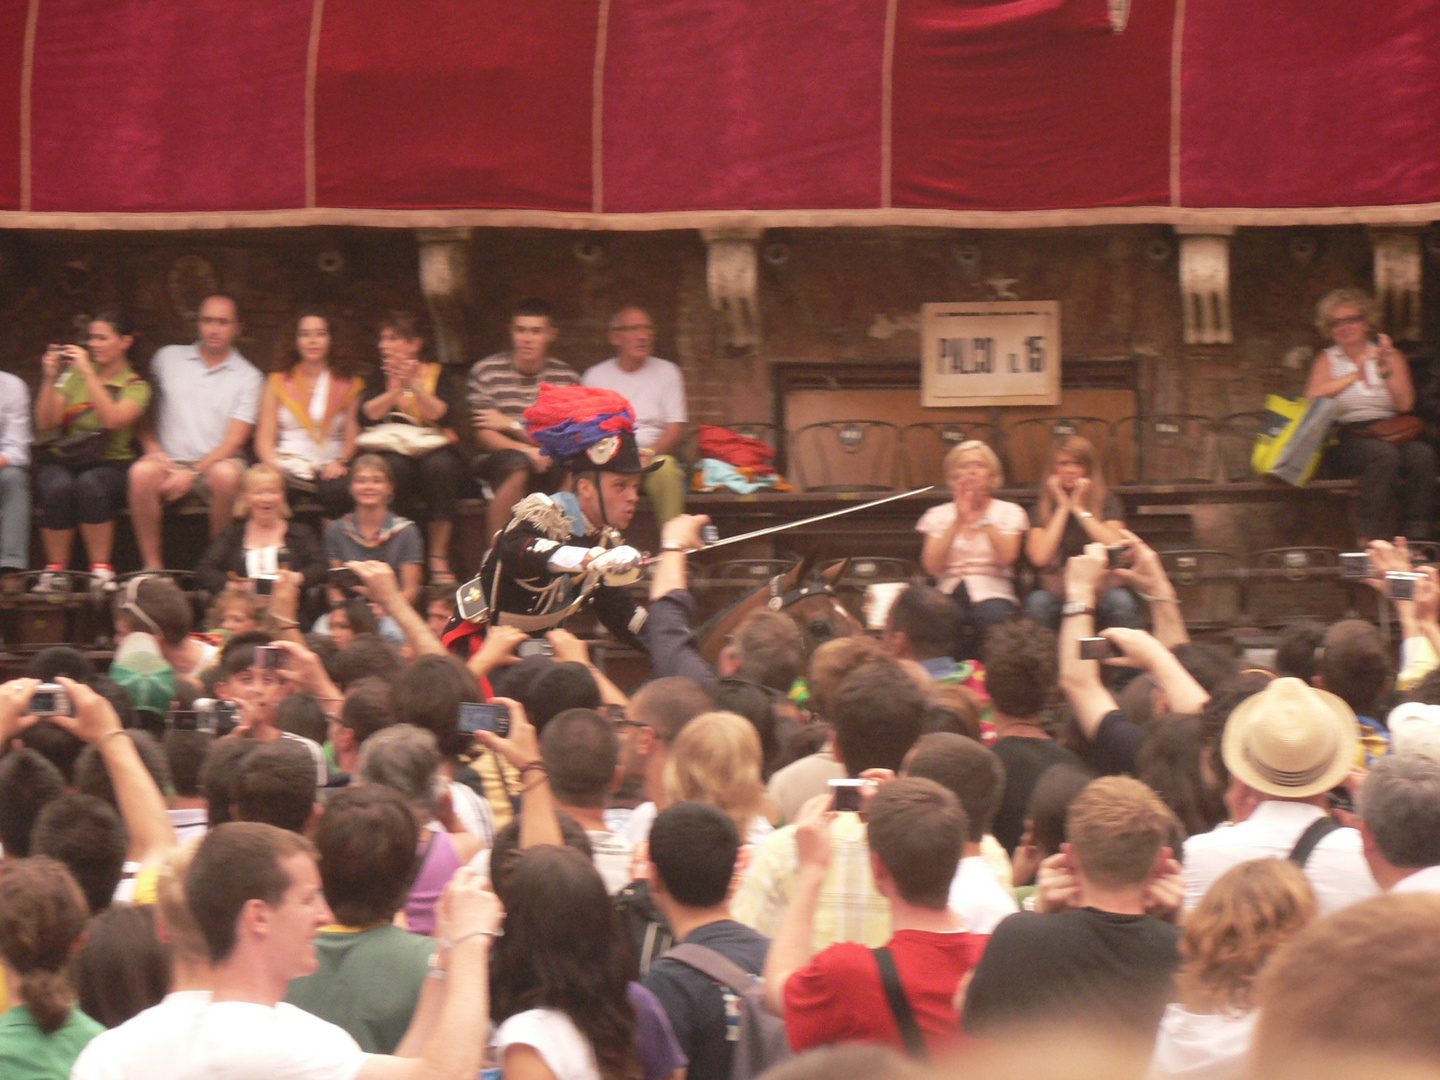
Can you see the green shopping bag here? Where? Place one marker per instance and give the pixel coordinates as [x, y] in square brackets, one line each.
[1294, 435]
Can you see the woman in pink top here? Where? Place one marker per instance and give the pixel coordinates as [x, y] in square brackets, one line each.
[972, 542]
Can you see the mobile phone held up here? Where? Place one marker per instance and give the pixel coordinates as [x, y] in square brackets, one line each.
[475, 716]
[1097, 648]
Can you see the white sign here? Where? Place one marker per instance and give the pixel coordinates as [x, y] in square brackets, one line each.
[1001, 353]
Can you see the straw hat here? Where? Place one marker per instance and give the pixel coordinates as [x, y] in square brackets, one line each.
[1291, 740]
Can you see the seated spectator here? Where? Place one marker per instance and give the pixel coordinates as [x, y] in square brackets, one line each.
[1104, 962]
[716, 760]
[1020, 675]
[371, 972]
[208, 396]
[972, 542]
[797, 783]
[1251, 911]
[404, 758]
[581, 752]
[500, 388]
[122, 968]
[28, 783]
[692, 853]
[277, 784]
[1400, 822]
[876, 712]
[1285, 748]
[847, 992]
[15, 439]
[263, 541]
[561, 977]
[411, 411]
[1075, 508]
[310, 416]
[1359, 987]
[42, 918]
[371, 531]
[656, 390]
[255, 894]
[92, 397]
[974, 775]
[922, 626]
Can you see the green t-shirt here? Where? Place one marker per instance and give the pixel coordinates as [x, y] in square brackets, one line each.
[368, 983]
[27, 1053]
[124, 385]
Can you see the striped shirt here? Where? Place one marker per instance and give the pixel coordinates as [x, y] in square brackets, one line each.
[495, 383]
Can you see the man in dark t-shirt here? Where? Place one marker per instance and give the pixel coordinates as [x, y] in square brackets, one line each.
[692, 850]
[1020, 676]
[1105, 962]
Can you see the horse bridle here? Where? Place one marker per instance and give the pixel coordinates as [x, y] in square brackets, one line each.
[781, 598]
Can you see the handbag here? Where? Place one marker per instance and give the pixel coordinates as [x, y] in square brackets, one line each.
[1396, 430]
[80, 450]
[1294, 435]
[411, 440]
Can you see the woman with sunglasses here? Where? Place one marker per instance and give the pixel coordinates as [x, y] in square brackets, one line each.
[1370, 381]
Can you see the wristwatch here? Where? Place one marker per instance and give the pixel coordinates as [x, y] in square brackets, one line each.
[1075, 607]
[673, 545]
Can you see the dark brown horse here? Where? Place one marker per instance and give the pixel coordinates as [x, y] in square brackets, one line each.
[805, 593]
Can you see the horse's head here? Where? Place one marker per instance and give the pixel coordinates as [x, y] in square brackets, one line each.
[806, 594]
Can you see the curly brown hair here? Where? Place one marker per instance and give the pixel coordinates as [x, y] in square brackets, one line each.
[1250, 911]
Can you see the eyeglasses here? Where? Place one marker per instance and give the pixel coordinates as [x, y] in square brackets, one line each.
[1346, 320]
[634, 326]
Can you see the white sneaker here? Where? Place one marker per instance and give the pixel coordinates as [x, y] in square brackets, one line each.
[53, 581]
[102, 579]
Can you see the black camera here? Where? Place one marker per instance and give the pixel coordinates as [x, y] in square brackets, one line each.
[476, 716]
[534, 647]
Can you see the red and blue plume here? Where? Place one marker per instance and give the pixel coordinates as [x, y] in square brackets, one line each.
[565, 421]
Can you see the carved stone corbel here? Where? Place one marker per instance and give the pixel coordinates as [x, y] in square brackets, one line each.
[445, 284]
[1399, 264]
[732, 275]
[1205, 285]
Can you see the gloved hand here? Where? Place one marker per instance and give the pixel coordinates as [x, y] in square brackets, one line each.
[620, 565]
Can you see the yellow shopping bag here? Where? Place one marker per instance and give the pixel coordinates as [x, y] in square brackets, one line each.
[1295, 434]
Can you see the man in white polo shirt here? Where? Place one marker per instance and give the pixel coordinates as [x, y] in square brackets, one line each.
[656, 391]
[209, 397]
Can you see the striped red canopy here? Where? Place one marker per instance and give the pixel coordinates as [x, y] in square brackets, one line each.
[692, 113]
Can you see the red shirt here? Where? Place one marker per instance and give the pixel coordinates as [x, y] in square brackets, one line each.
[838, 996]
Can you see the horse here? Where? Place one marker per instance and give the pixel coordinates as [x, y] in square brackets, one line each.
[805, 593]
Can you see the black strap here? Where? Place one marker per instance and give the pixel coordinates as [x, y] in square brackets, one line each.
[1317, 831]
[900, 1004]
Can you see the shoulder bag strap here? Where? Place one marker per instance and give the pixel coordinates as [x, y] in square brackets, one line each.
[900, 1004]
[709, 962]
[1317, 831]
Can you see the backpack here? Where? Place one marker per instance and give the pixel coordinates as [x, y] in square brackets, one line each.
[643, 923]
[762, 1042]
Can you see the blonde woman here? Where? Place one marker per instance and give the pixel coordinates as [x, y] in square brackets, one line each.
[262, 541]
[1370, 380]
[1246, 915]
[716, 759]
[1075, 508]
[972, 542]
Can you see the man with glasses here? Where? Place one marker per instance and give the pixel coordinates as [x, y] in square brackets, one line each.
[656, 390]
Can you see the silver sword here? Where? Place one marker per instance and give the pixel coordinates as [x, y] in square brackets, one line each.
[812, 520]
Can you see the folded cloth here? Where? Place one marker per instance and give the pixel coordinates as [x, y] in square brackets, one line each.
[712, 473]
[730, 446]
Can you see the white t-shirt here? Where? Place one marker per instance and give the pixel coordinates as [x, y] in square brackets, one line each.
[187, 1037]
[1195, 1045]
[978, 897]
[554, 1036]
[612, 855]
[656, 391]
[473, 812]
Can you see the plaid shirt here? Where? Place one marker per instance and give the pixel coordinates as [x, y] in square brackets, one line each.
[849, 908]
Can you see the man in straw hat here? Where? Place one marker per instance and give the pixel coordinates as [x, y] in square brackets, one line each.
[559, 551]
[1286, 748]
